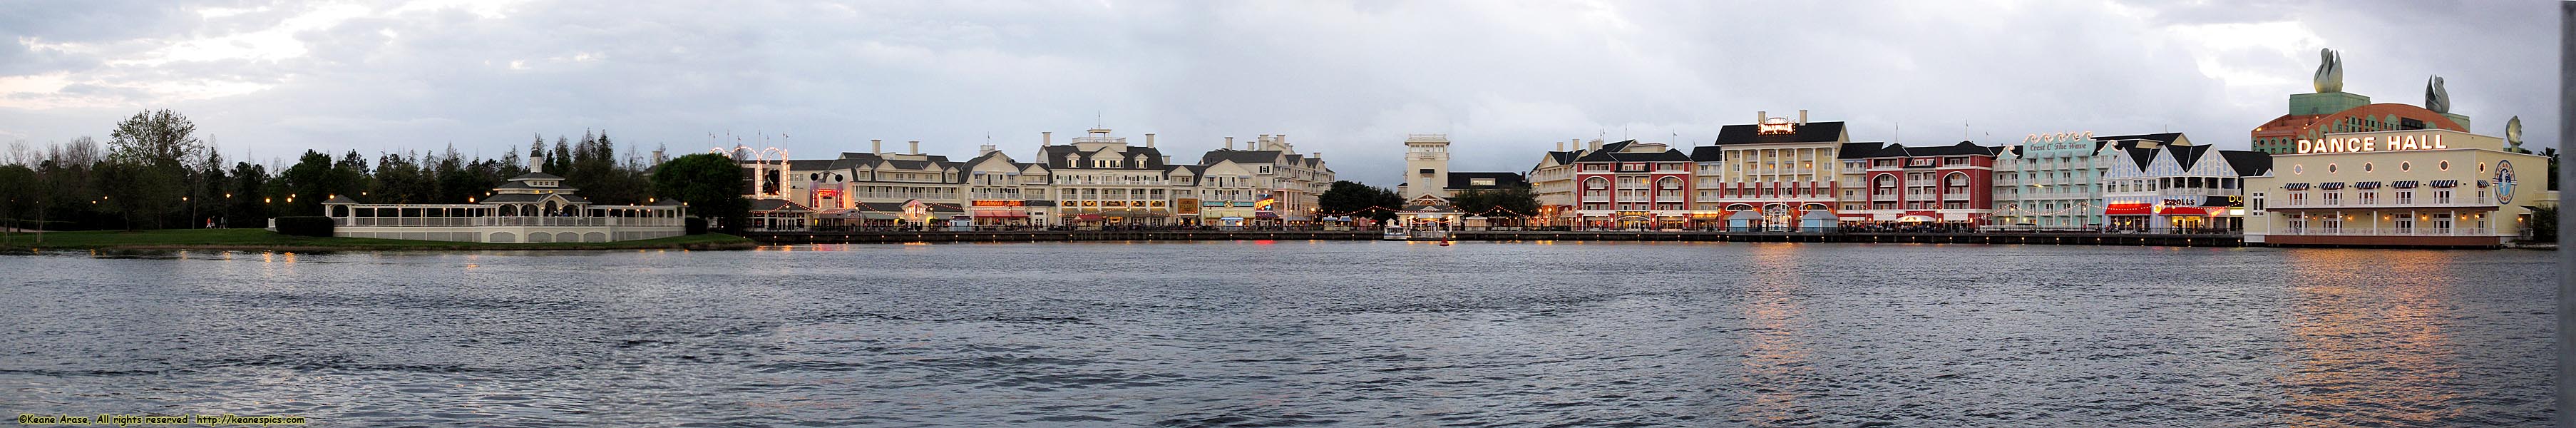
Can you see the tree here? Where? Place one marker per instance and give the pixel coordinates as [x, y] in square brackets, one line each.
[2544, 223]
[148, 157]
[709, 184]
[18, 190]
[2552, 154]
[302, 188]
[1359, 200]
[139, 192]
[244, 204]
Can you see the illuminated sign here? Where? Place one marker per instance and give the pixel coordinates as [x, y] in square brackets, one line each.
[992, 203]
[2373, 143]
[1776, 125]
[827, 193]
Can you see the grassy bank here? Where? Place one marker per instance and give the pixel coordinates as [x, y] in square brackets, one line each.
[262, 240]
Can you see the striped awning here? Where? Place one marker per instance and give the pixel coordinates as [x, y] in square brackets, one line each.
[2365, 184]
[2446, 183]
[2408, 184]
[2333, 185]
[2294, 186]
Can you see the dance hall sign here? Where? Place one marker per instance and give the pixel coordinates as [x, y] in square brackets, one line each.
[2374, 143]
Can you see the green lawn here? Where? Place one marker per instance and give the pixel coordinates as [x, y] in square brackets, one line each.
[257, 239]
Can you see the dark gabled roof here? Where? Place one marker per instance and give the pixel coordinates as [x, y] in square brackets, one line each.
[810, 164]
[1053, 157]
[2165, 137]
[1465, 180]
[908, 164]
[2247, 163]
[340, 199]
[1862, 150]
[1966, 148]
[2187, 156]
[536, 176]
[1563, 157]
[1240, 156]
[1708, 154]
[777, 205]
[2141, 155]
[1811, 132]
[1611, 153]
[515, 185]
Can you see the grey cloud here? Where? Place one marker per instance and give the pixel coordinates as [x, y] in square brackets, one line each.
[1344, 78]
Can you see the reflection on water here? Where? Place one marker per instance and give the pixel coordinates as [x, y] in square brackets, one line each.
[2368, 333]
[1294, 333]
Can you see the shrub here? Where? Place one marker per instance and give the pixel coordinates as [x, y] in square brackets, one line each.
[696, 226]
[304, 226]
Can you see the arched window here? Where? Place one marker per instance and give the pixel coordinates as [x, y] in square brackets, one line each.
[1669, 183]
[1596, 183]
[1884, 181]
[1957, 179]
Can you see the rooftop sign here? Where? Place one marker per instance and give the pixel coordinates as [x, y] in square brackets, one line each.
[2374, 143]
[1777, 125]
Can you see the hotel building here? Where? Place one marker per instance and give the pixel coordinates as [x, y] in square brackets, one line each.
[2179, 186]
[1632, 185]
[2431, 188]
[2055, 180]
[1290, 181]
[1778, 173]
[1938, 184]
[1552, 180]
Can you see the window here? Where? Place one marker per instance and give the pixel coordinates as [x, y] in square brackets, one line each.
[2298, 199]
[2444, 165]
[2365, 167]
[2334, 198]
[2330, 168]
[2442, 196]
[2405, 197]
[2405, 166]
[1426, 172]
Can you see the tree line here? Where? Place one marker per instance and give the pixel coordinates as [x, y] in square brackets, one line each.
[1379, 203]
[155, 172]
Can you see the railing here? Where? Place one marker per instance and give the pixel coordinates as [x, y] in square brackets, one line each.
[502, 221]
[2388, 231]
[2428, 202]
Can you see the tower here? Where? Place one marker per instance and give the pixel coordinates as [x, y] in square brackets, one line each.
[1426, 165]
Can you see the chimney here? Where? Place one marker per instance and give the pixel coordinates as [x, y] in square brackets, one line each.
[1149, 142]
[1167, 159]
[1046, 138]
[1316, 156]
[1594, 146]
[876, 146]
[1802, 116]
[1229, 143]
[1264, 142]
[916, 147]
[1281, 138]
[984, 150]
[1759, 116]
[1560, 146]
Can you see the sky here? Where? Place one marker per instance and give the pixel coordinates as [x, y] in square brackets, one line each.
[1505, 80]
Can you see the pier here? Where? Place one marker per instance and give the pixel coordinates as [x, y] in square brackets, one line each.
[2137, 239]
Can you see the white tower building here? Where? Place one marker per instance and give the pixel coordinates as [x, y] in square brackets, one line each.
[1426, 165]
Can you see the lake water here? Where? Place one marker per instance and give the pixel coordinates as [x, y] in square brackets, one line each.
[1294, 333]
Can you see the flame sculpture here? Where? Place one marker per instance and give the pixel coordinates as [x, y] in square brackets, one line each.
[2329, 71]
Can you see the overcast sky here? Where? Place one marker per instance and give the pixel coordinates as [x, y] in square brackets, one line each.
[1506, 80]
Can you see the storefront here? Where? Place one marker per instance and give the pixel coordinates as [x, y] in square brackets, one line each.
[999, 213]
[2415, 188]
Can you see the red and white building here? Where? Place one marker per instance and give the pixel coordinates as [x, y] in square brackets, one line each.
[1776, 174]
[1632, 185]
[1938, 184]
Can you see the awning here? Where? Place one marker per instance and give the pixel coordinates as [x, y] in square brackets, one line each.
[2304, 186]
[1087, 217]
[2482, 184]
[993, 213]
[2336, 185]
[2446, 183]
[1883, 216]
[1815, 214]
[1914, 219]
[2408, 184]
[1745, 215]
[2365, 185]
[2181, 210]
[2128, 209]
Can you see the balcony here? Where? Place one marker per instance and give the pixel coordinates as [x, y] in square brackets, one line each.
[2398, 203]
[2386, 231]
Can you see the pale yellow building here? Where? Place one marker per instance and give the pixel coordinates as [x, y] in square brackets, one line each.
[2427, 187]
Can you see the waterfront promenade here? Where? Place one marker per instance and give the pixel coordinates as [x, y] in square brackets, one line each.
[2050, 238]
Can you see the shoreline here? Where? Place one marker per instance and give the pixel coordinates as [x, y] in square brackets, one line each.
[263, 240]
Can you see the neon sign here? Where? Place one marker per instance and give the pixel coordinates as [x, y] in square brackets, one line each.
[1776, 125]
